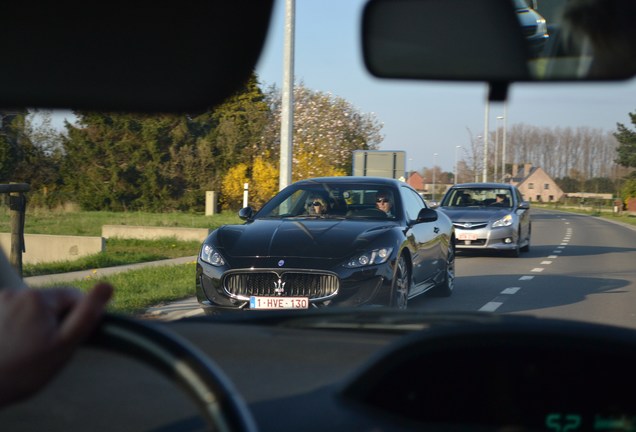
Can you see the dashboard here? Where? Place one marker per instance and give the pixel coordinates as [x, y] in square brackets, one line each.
[381, 372]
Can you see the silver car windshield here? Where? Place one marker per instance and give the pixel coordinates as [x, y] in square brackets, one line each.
[465, 197]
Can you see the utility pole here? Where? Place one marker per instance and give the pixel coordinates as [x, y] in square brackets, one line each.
[485, 172]
[434, 169]
[503, 151]
[287, 106]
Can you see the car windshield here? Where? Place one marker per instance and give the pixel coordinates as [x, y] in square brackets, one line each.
[333, 200]
[111, 176]
[457, 197]
[478, 197]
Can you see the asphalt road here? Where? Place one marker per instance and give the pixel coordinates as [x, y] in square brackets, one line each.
[579, 267]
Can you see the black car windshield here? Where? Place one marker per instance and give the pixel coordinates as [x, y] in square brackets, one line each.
[478, 197]
[334, 200]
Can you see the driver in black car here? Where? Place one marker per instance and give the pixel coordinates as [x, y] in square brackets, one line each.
[383, 202]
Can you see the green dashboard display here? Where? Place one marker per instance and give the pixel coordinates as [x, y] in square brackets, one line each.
[559, 422]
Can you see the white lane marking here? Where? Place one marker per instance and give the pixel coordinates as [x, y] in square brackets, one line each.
[537, 270]
[557, 251]
[490, 307]
[560, 247]
[546, 262]
[526, 278]
[511, 290]
[567, 223]
[552, 256]
[564, 244]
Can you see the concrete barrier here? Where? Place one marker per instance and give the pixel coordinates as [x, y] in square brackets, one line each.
[43, 248]
[153, 233]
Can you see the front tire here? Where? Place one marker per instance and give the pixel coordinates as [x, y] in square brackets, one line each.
[526, 248]
[445, 288]
[514, 253]
[401, 284]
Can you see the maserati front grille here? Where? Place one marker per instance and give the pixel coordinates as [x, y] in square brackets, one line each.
[314, 285]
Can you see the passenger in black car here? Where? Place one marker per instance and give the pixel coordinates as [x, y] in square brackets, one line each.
[383, 202]
[317, 205]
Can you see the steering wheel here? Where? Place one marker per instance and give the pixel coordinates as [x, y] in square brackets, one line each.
[181, 362]
[221, 406]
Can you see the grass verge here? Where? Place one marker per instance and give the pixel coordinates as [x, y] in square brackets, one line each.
[604, 213]
[137, 290]
[44, 221]
[119, 252]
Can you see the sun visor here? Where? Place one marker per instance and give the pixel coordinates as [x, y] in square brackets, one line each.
[134, 56]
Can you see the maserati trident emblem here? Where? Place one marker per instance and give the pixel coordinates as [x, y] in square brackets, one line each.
[279, 286]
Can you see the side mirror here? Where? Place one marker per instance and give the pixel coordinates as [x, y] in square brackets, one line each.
[433, 204]
[524, 205]
[426, 215]
[246, 213]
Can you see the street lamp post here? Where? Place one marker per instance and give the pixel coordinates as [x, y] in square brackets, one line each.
[497, 147]
[486, 125]
[456, 171]
[434, 163]
[503, 150]
[287, 102]
[476, 170]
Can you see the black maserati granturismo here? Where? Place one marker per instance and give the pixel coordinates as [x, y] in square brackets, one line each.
[348, 241]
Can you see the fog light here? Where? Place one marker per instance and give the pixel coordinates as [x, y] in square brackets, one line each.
[507, 240]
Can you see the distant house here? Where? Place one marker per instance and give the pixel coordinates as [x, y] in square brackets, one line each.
[416, 181]
[535, 184]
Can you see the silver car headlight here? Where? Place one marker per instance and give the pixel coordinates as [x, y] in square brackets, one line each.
[503, 222]
[542, 28]
[373, 257]
[211, 256]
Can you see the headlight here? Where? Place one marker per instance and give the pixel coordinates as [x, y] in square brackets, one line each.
[503, 222]
[542, 28]
[211, 256]
[377, 256]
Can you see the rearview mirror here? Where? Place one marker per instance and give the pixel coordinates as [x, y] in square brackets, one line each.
[500, 40]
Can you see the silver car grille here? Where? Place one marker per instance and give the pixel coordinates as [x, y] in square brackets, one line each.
[270, 283]
[470, 225]
[529, 30]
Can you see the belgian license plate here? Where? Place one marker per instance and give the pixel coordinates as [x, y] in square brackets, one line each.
[279, 302]
[466, 236]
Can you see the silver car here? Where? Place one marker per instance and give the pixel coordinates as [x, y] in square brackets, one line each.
[489, 216]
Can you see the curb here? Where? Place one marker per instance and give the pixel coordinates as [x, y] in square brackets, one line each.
[171, 311]
[37, 281]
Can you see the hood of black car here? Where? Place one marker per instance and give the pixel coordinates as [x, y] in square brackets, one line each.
[313, 238]
[475, 214]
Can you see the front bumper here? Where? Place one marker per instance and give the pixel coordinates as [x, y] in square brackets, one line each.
[357, 287]
[500, 238]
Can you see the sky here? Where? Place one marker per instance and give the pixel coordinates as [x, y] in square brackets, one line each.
[425, 118]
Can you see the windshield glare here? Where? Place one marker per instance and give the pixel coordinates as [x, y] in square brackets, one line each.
[475, 197]
[331, 201]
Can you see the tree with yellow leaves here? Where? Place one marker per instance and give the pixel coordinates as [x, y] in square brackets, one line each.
[232, 186]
